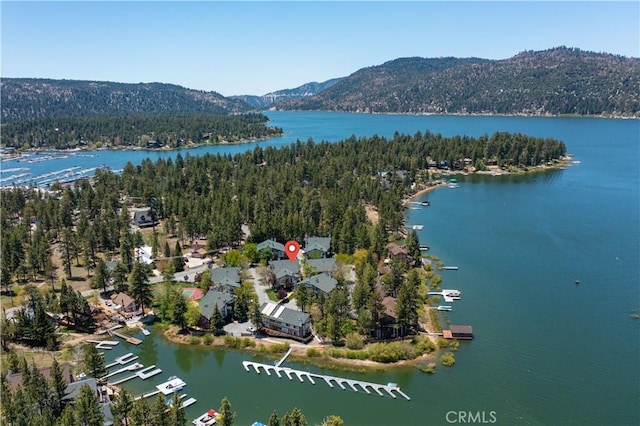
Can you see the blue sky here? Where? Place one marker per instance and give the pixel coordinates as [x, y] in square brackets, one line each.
[257, 47]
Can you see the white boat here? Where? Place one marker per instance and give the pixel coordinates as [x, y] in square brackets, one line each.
[453, 185]
[445, 308]
[206, 419]
[417, 227]
[453, 294]
[146, 332]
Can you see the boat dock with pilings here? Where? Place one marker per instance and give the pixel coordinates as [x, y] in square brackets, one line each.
[392, 389]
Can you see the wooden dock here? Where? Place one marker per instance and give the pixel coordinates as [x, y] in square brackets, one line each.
[355, 385]
[129, 339]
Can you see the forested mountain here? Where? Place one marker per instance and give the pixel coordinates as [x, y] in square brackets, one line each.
[28, 99]
[300, 92]
[551, 82]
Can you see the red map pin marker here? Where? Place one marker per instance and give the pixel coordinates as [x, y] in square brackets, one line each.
[292, 248]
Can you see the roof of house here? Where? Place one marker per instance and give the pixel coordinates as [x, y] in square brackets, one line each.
[284, 314]
[323, 265]
[324, 282]
[122, 299]
[213, 298]
[15, 379]
[282, 268]
[317, 243]
[270, 244]
[226, 276]
[388, 302]
[396, 250]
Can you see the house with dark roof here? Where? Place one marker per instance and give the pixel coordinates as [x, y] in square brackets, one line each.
[213, 298]
[143, 217]
[277, 249]
[324, 283]
[398, 254]
[388, 323]
[226, 279]
[15, 379]
[284, 320]
[317, 247]
[285, 273]
[325, 264]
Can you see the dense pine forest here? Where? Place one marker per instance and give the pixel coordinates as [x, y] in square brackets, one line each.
[134, 131]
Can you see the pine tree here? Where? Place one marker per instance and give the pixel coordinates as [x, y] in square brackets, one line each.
[58, 389]
[122, 407]
[273, 419]
[179, 311]
[139, 286]
[94, 365]
[412, 245]
[87, 408]
[177, 414]
[141, 413]
[157, 409]
[216, 323]
[227, 417]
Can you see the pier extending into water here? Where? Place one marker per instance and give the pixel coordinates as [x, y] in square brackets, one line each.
[122, 360]
[355, 385]
[129, 339]
[142, 374]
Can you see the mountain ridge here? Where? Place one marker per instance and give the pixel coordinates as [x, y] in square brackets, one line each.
[305, 90]
[555, 81]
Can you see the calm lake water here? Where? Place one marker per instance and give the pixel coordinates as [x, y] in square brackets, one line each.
[546, 351]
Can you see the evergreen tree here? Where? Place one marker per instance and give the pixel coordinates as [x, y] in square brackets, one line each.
[177, 414]
[302, 296]
[87, 408]
[141, 413]
[68, 417]
[178, 260]
[7, 402]
[122, 407]
[93, 362]
[179, 311]
[295, 418]
[139, 286]
[216, 323]
[412, 244]
[58, 389]
[158, 416]
[119, 276]
[101, 277]
[273, 419]
[333, 420]
[227, 417]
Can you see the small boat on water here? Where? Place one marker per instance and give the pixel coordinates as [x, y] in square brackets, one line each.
[207, 419]
[425, 203]
[146, 332]
[392, 384]
[445, 308]
[453, 185]
[417, 227]
[454, 294]
[424, 248]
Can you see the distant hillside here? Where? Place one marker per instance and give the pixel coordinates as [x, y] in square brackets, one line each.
[300, 92]
[551, 82]
[26, 99]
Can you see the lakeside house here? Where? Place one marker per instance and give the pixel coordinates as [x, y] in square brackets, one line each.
[277, 249]
[323, 282]
[213, 298]
[72, 388]
[285, 273]
[398, 254]
[317, 247]
[388, 322]
[226, 279]
[124, 303]
[284, 320]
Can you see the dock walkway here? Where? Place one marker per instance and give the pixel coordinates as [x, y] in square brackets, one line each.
[129, 339]
[355, 385]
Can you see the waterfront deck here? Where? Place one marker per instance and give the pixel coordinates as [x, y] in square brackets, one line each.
[356, 385]
[129, 339]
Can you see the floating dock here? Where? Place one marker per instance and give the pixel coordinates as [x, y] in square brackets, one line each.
[171, 386]
[142, 374]
[356, 385]
[450, 268]
[131, 367]
[122, 360]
